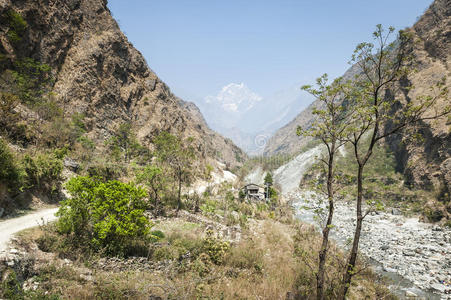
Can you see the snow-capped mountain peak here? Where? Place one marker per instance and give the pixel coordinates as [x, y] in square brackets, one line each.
[235, 98]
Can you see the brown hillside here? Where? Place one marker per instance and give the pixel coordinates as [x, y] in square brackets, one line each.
[99, 73]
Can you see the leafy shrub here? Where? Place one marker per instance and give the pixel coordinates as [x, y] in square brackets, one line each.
[109, 215]
[215, 248]
[273, 193]
[43, 171]
[8, 115]
[433, 214]
[48, 109]
[86, 143]
[157, 235]
[124, 145]
[10, 171]
[78, 123]
[105, 171]
[209, 206]
[11, 288]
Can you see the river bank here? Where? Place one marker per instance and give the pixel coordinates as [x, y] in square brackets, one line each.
[415, 255]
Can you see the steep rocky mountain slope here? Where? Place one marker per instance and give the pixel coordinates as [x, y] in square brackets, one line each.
[98, 73]
[425, 164]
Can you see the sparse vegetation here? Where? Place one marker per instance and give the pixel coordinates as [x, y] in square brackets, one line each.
[178, 156]
[331, 128]
[43, 171]
[11, 172]
[367, 110]
[17, 26]
[137, 224]
[272, 261]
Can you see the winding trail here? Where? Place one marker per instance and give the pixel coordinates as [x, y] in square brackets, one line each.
[9, 227]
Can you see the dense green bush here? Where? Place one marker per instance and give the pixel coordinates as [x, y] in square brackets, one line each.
[108, 215]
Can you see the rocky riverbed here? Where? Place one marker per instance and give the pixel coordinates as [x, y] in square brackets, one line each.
[416, 251]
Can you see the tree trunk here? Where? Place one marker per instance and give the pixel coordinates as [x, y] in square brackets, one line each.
[326, 230]
[156, 201]
[196, 205]
[179, 198]
[347, 277]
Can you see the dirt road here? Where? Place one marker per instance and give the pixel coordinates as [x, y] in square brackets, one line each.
[11, 226]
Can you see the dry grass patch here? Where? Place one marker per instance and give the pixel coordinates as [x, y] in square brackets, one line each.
[272, 260]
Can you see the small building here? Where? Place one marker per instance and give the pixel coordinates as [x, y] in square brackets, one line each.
[253, 191]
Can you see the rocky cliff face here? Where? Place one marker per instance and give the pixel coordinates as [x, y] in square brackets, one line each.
[425, 164]
[100, 74]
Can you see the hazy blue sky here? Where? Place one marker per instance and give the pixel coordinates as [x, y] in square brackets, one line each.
[199, 46]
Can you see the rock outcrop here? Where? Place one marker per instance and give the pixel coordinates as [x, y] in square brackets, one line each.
[99, 73]
[427, 164]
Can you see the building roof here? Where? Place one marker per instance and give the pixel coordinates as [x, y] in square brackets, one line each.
[253, 185]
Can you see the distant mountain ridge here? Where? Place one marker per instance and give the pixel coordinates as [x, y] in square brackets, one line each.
[249, 119]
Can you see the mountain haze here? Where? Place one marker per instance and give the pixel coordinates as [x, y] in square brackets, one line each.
[248, 118]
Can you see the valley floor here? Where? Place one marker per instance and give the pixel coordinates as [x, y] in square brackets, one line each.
[417, 251]
[267, 259]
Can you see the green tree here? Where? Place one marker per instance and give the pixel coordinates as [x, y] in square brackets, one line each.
[384, 67]
[124, 144]
[268, 179]
[179, 156]
[330, 127]
[153, 178]
[109, 214]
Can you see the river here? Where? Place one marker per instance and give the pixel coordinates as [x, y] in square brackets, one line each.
[414, 256]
